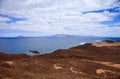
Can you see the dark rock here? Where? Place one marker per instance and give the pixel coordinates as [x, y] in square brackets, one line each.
[34, 52]
[108, 41]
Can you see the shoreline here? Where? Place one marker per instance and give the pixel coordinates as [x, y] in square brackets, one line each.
[99, 43]
[84, 61]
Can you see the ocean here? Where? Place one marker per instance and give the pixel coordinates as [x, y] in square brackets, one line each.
[44, 44]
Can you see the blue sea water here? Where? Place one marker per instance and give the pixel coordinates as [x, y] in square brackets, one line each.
[43, 44]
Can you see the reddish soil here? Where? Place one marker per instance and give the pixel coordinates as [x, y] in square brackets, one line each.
[81, 62]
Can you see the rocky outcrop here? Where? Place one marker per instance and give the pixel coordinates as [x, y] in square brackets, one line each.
[108, 41]
[34, 51]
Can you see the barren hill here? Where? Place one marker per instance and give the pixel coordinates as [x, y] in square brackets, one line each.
[89, 61]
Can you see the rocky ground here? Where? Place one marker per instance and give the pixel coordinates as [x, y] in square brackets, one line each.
[89, 61]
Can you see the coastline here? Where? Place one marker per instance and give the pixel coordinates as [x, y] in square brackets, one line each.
[87, 61]
[45, 44]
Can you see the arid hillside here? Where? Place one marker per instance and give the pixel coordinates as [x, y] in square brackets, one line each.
[88, 61]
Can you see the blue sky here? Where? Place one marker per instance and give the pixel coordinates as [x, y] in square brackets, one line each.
[49, 17]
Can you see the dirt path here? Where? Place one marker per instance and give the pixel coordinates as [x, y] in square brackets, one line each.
[9, 62]
[74, 70]
[104, 71]
[106, 44]
[110, 64]
[57, 66]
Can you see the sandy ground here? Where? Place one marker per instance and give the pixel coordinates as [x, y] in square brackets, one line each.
[110, 64]
[102, 44]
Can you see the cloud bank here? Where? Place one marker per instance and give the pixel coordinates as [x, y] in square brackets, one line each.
[49, 17]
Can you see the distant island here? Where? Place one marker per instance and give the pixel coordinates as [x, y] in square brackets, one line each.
[59, 36]
[20, 36]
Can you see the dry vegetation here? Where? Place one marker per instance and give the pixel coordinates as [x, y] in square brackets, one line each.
[80, 62]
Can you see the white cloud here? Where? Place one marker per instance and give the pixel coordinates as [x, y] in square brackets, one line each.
[3, 19]
[53, 16]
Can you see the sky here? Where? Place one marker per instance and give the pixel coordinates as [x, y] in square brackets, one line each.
[50, 17]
